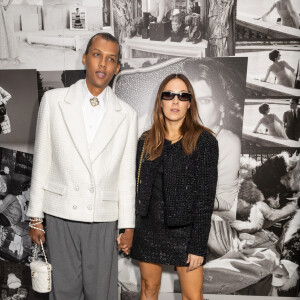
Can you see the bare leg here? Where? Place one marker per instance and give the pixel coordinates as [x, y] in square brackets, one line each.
[191, 283]
[151, 277]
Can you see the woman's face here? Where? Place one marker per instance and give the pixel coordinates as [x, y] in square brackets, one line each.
[208, 110]
[278, 57]
[175, 110]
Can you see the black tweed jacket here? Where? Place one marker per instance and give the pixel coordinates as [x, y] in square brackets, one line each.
[189, 187]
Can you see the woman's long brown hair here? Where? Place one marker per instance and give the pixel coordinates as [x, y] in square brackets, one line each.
[190, 128]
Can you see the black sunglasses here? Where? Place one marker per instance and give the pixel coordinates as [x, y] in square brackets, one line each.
[181, 96]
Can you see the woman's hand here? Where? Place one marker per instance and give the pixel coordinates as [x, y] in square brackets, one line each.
[37, 235]
[125, 240]
[194, 262]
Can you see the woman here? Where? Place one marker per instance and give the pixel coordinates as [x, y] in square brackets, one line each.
[271, 122]
[279, 69]
[286, 11]
[176, 183]
[8, 45]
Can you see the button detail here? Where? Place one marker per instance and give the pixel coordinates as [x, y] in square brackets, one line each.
[91, 190]
[90, 207]
[76, 188]
[74, 206]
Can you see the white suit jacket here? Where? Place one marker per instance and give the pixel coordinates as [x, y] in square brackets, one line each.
[73, 182]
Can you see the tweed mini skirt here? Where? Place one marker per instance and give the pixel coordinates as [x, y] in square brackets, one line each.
[154, 241]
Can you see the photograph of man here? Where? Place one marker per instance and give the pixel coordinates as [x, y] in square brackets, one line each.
[83, 178]
[291, 120]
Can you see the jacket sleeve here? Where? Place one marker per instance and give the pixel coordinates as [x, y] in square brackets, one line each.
[42, 159]
[206, 174]
[127, 177]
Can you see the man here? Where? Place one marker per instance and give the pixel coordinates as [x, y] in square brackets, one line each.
[83, 178]
[291, 120]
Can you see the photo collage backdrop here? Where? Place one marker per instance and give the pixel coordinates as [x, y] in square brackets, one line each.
[253, 246]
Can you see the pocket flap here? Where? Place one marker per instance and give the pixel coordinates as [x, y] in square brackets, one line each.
[109, 195]
[55, 188]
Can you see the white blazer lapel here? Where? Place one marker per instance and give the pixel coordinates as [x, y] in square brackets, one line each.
[112, 119]
[72, 113]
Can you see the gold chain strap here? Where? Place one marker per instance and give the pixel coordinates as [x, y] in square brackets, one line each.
[140, 166]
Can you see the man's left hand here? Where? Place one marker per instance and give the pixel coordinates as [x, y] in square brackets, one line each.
[125, 240]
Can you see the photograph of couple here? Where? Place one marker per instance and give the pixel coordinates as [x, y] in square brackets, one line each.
[273, 122]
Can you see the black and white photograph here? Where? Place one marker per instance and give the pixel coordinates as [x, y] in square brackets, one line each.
[267, 223]
[48, 34]
[48, 80]
[78, 18]
[267, 20]
[273, 72]
[19, 109]
[172, 28]
[14, 281]
[272, 122]
[15, 188]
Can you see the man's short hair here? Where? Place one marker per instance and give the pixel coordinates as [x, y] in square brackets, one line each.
[273, 55]
[106, 36]
[296, 100]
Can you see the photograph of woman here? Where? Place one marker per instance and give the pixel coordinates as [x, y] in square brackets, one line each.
[284, 73]
[271, 122]
[289, 16]
[176, 185]
[8, 42]
[4, 119]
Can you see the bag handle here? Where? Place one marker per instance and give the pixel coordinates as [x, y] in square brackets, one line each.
[139, 170]
[35, 254]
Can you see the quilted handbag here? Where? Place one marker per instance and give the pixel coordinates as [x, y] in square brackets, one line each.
[41, 272]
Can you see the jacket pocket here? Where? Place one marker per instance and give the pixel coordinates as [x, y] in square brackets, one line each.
[110, 196]
[55, 188]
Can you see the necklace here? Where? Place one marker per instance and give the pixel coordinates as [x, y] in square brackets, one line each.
[173, 140]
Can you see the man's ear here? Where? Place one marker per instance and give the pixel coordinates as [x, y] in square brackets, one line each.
[84, 59]
[118, 68]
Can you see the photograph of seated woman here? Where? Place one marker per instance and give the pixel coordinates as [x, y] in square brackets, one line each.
[176, 184]
[284, 73]
[288, 14]
[274, 126]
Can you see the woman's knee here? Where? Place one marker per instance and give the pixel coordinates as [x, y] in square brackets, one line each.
[150, 288]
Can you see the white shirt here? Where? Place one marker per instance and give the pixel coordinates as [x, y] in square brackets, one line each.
[92, 115]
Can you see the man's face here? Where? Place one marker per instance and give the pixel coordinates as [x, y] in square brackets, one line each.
[101, 64]
[293, 104]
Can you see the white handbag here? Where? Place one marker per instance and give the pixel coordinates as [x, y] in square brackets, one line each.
[40, 273]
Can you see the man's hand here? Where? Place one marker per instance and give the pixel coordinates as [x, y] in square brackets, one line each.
[37, 235]
[125, 240]
[194, 262]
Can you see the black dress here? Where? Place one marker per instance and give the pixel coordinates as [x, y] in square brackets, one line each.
[153, 240]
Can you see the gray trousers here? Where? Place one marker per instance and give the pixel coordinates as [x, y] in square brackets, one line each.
[83, 258]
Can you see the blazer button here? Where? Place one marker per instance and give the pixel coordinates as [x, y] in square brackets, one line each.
[76, 188]
[91, 190]
[90, 207]
[74, 206]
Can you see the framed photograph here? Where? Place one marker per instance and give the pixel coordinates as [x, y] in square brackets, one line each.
[78, 18]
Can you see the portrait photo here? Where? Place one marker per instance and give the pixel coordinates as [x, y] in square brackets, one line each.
[78, 18]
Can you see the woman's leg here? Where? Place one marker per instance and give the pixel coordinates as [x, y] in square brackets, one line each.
[191, 283]
[151, 277]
